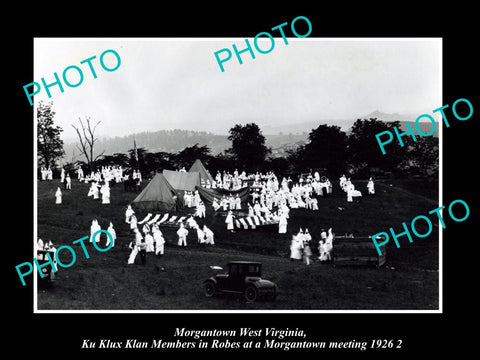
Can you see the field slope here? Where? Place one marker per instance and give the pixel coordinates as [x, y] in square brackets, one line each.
[410, 279]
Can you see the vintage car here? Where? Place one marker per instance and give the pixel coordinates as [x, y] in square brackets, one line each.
[243, 278]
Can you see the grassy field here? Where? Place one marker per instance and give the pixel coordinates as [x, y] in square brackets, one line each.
[105, 282]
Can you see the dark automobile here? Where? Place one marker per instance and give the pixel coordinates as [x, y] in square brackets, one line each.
[244, 278]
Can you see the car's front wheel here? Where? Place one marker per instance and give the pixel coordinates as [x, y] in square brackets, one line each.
[250, 293]
[209, 288]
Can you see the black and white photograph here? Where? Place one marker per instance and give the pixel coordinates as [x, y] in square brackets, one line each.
[257, 188]
[221, 192]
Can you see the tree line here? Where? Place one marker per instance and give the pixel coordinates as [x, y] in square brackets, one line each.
[328, 150]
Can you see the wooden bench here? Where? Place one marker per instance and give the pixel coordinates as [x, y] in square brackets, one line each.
[358, 250]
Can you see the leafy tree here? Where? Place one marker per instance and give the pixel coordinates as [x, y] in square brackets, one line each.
[248, 147]
[158, 161]
[422, 157]
[188, 155]
[115, 159]
[221, 162]
[49, 144]
[137, 159]
[364, 152]
[278, 165]
[326, 148]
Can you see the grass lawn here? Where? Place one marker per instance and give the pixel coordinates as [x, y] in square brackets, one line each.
[410, 279]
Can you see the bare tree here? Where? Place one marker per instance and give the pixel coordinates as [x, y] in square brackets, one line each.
[87, 140]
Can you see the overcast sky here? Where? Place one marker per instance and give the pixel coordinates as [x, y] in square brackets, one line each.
[177, 83]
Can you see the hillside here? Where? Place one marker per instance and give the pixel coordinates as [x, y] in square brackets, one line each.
[104, 281]
[173, 141]
[278, 137]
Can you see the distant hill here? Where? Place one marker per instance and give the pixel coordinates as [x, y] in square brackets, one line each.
[424, 126]
[389, 117]
[173, 141]
[278, 137]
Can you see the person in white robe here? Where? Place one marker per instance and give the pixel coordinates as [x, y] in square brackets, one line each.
[191, 222]
[314, 204]
[105, 190]
[91, 189]
[323, 235]
[149, 242]
[300, 235]
[40, 248]
[62, 176]
[201, 209]
[231, 202]
[224, 203]
[307, 252]
[68, 182]
[128, 213]
[349, 188]
[48, 246]
[159, 240]
[282, 224]
[296, 248]
[208, 235]
[113, 234]
[135, 246]
[370, 187]
[285, 210]
[324, 254]
[80, 174]
[215, 204]
[187, 198]
[329, 243]
[238, 203]
[58, 196]
[329, 186]
[200, 235]
[257, 209]
[196, 198]
[308, 203]
[133, 222]
[94, 227]
[250, 210]
[300, 203]
[96, 190]
[182, 235]
[307, 237]
[229, 221]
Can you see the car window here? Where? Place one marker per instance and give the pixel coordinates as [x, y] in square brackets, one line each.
[254, 269]
[234, 269]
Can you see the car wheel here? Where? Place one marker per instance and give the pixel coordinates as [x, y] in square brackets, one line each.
[250, 293]
[209, 288]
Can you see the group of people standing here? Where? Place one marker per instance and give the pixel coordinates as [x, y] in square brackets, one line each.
[301, 246]
[148, 240]
[46, 173]
[347, 186]
[96, 190]
[95, 228]
[227, 203]
[151, 239]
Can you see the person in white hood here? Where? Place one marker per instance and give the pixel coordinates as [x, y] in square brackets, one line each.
[182, 235]
[58, 196]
